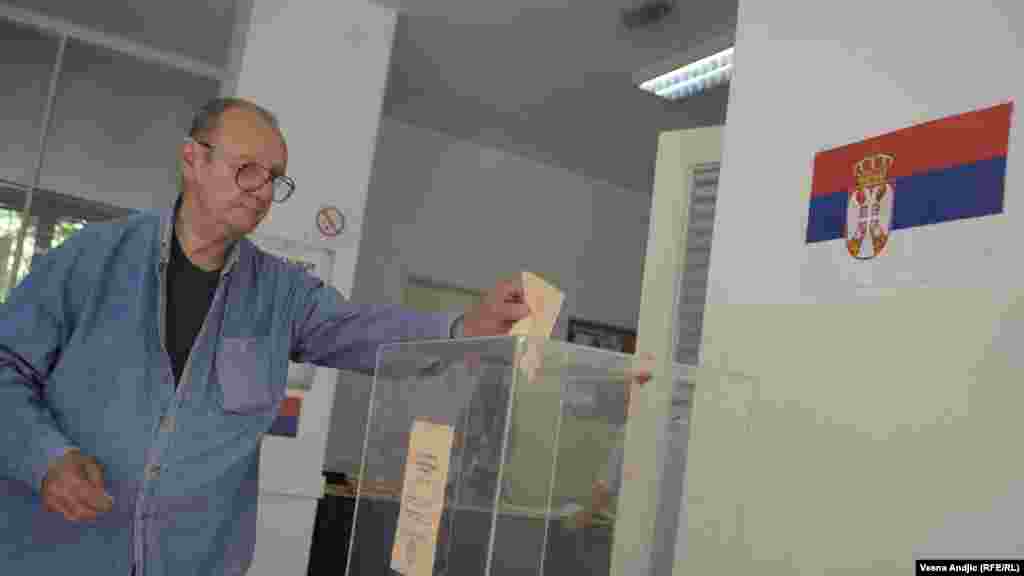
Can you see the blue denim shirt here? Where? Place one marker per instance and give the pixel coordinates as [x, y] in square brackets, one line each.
[182, 464]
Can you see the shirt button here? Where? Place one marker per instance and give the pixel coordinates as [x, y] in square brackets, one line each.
[167, 424]
[152, 471]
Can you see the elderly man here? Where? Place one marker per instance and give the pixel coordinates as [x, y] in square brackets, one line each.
[144, 359]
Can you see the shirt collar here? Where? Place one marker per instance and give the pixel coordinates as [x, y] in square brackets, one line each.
[167, 219]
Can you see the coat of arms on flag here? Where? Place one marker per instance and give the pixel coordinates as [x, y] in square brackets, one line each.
[869, 211]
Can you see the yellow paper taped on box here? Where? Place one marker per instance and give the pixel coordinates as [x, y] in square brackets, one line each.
[423, 493]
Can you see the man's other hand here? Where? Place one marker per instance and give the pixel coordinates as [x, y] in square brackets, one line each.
[642, 368]
[73, 486]
[501, 308]
[581, 520]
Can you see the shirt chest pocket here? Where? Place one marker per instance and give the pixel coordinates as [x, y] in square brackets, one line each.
[249, 383]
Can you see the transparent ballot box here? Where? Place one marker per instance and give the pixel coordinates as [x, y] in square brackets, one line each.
[491, 456]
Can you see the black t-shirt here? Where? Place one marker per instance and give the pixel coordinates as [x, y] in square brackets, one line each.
[190, 292]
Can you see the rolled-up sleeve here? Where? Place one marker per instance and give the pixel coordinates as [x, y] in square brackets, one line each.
[32, 328]
[329, 331]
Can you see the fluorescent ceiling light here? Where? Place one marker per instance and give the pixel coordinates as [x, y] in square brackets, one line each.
[693, 78]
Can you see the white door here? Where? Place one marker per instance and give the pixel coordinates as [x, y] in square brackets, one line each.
[650, 512]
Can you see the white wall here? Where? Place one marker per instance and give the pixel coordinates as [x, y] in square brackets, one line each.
[462, 214]
[861, 427]
[456, 212]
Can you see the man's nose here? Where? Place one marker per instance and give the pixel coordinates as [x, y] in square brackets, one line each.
[267, 191]
[264, 193]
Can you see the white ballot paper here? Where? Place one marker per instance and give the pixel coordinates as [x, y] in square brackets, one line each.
[419, 516]
[545, 302]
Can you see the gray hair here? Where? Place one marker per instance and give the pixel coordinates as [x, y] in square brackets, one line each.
[207, 118]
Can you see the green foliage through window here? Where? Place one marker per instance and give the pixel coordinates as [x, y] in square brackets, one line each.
[10, 225]
[64, 229]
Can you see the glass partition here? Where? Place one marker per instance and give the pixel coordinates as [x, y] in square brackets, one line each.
[118, 124]
[27, 58]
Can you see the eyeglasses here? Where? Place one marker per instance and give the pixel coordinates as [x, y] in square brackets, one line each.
[251, 176]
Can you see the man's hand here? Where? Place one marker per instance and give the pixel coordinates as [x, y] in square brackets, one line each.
[73, 486]
[501, 308]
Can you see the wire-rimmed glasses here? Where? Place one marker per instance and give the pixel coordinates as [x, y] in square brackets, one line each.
[251, 176]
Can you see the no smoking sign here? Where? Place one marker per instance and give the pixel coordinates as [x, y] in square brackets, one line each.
[330, 221]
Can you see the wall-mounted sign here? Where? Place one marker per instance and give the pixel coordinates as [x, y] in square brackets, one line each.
[330, 221]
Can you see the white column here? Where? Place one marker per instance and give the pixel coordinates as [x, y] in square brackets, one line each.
[321, 67]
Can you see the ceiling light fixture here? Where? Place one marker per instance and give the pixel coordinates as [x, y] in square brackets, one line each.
[693, 78]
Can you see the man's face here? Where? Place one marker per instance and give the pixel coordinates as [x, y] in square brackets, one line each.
[242, 137]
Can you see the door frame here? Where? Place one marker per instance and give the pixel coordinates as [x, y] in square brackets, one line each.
[680, 153]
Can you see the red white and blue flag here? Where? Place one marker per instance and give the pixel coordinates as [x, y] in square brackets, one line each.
[940, 171]
[287, 421]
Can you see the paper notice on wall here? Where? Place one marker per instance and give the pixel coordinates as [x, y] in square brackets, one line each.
[545, 302]
[419, 516]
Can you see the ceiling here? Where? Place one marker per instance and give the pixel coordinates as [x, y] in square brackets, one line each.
[550, 80]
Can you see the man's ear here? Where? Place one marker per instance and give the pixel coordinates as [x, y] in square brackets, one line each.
[188, 155]
[187, 160]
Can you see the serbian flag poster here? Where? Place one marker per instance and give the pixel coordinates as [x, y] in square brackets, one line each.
[904, 207]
